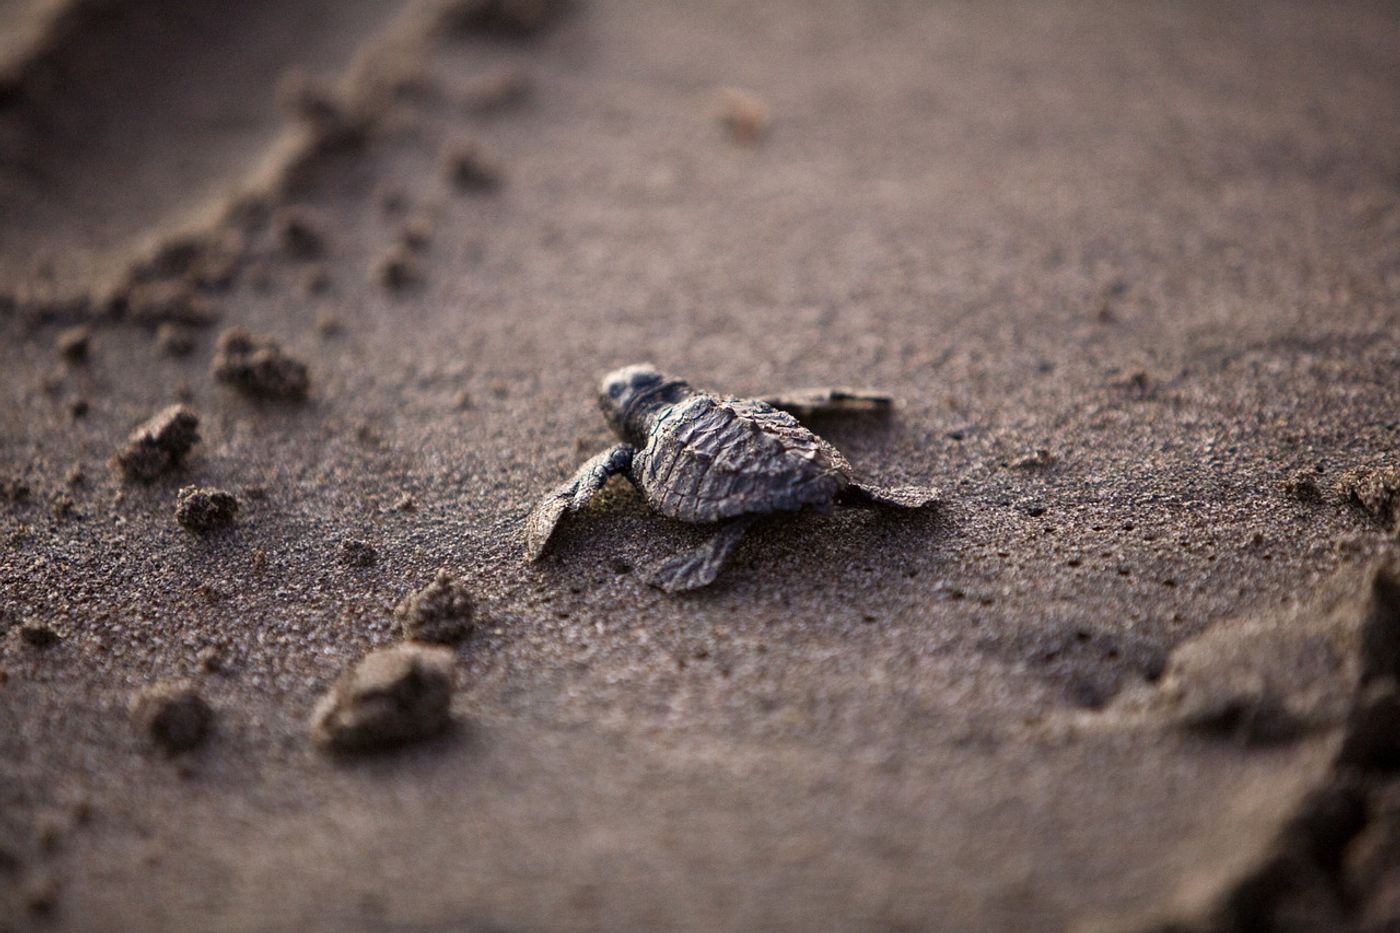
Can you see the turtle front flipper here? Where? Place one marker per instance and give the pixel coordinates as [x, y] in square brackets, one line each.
[802, 403]
[572, 496]
[863, 496]
[698, 567]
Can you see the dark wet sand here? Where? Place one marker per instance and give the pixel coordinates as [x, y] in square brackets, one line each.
[1159, 243]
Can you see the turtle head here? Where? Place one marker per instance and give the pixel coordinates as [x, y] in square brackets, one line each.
[631, 396]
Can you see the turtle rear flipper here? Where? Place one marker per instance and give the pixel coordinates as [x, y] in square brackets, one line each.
[805, 402]
[572, 496]
[863, 496]
[690, 570]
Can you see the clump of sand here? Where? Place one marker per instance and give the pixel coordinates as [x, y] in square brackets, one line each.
[166, 302]
[174, 339]
[159, 444]
[204, 510]
[443, 611]
[744, 116]
[394, 695]
[397, 269]
[357, 553]
[516, 17]
[173, 716]
[74, 343]
[38, 634]
[1374, 490]
[258, 366]
[471, 167]
[1302, 486]
[300, 233]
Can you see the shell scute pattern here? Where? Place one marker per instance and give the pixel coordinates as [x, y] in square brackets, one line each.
[707, 459]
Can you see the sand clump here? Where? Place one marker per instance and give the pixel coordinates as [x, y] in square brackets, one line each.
[174, 339]
[14, 490]
[205, 510]
[1374, 490]
[63, 506]
[443, 611]
[1302, 486]
[511, 17]
[398, 269]
[392, 696]
[211, 660]
[357, 553]
[1038, 459]
[744, 116]
[471, 167]
[416, 233]
[173, 716]
[41, 894]
[166, 302]
[74, 343]
[159, 444]
[38, 634]
[300, 234]
[258, 366]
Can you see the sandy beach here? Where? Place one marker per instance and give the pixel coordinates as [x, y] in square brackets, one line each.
[1131, 270]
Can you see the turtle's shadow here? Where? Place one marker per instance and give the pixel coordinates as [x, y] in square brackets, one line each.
[817, 545]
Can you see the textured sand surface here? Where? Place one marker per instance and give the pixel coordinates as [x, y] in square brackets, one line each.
[1158, 243]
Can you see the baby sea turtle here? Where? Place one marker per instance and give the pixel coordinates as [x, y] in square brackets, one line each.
[705, 458]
